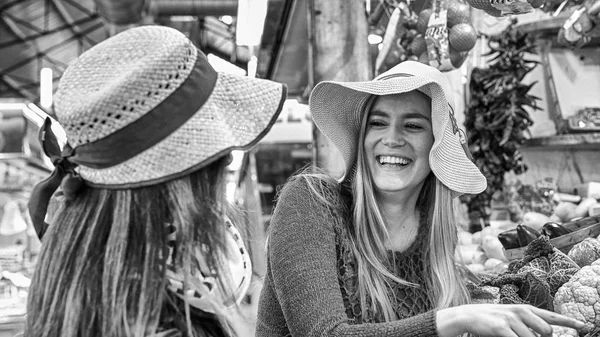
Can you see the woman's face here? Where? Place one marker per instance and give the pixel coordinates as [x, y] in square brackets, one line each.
[398, 138]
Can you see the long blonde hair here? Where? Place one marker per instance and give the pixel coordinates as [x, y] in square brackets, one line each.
[101, 270]
[445, 285]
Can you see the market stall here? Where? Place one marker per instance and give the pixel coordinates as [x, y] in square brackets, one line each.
[526, 77]
[22, 165]
[531, 89]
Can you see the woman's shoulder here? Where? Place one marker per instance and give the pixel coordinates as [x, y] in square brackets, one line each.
[311, 189]
[309, 204]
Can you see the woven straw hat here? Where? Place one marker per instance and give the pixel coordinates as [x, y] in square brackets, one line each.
[145, 106]
[337, 109]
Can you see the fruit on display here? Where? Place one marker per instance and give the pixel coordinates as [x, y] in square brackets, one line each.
[418, 45]
[461, 35]
[405, 36]
[458, 58]
[458, 12]
[400, 33]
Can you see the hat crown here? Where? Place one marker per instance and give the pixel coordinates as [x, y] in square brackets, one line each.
[120, 79]
[419, 69]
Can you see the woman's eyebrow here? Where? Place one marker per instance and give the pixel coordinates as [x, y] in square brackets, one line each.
[409, 115]
[417, 115]
[378, 113]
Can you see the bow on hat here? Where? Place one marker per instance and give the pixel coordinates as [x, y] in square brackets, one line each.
[64, 175]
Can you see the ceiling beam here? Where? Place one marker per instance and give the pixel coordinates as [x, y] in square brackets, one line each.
[66, 17]
[193, 7]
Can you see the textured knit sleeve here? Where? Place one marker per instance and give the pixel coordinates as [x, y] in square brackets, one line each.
[302, 254]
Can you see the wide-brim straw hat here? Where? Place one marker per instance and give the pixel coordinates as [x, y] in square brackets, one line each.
[151, 82]
[337, 109]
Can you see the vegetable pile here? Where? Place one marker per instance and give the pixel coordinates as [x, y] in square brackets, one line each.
[535, 278]
[523, 234]
[580, 297]
[496, 120]
[548, 278]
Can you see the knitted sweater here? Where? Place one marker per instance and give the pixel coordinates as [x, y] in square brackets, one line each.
[310, 285]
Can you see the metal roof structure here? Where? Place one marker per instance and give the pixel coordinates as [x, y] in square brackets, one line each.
[36, 34]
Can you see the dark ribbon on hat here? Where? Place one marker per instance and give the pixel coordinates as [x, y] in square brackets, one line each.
[64, 174]
[121, 145]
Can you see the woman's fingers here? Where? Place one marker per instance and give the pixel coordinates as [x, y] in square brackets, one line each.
[557, 319]
[535, 322]
[494, 320]
[522, 330]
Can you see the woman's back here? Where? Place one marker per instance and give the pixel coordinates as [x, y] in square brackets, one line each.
[141, 245]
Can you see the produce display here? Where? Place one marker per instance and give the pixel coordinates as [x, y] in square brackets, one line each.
[482, 252]
[523, 234]
[442, 40]
[496, 119]
[579, 296]
[562, 279]
[448, 34]
[400, 33]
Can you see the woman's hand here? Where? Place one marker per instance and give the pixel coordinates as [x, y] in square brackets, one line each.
[500, 320]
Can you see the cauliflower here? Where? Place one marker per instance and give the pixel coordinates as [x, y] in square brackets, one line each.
[562, 331]
[580, 297]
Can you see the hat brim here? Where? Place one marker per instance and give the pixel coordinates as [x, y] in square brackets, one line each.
[337, 108]
[240, 111]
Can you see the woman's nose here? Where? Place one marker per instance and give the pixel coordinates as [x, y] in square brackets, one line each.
[393, 139]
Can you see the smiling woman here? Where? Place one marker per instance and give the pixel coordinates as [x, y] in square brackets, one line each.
[397, 141]
[371, 253]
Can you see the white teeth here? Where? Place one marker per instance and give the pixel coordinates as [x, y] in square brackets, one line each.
[392, 160]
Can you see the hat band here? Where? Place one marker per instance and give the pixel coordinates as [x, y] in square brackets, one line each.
[155, 125]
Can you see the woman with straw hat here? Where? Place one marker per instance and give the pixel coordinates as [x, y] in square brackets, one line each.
[142, 244]
[371, 253]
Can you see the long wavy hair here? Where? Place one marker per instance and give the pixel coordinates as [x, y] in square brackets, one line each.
[101, 270]
[369, 234]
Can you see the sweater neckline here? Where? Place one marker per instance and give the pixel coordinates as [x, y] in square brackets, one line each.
[416, 244]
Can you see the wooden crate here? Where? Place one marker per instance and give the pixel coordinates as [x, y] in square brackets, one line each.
[580, 229]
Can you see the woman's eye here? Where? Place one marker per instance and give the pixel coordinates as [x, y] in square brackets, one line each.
[413, 126]
[376, 122]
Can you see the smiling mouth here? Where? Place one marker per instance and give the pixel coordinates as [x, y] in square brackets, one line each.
[393, 161]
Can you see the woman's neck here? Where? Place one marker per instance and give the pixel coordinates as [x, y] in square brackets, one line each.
[399, 212]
